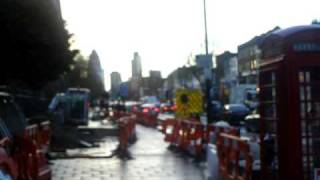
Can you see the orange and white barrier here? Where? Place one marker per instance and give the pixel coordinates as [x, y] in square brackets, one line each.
[30, 153]
[190, 135]
[235, 161]
[126, 131]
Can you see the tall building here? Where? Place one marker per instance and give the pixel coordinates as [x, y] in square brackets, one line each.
[95, 74]
[155, 74]
[136, 66]
[115, 83]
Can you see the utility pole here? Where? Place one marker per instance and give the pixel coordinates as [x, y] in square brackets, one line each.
[205, 25]
[209, 77]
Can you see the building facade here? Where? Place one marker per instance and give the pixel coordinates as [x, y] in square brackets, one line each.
[184, 77]
[136, 66]
[248, 59]
[226, 74]
[95, 74]
[155, 74]
[115, 84]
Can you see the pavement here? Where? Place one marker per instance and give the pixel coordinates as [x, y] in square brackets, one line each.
[71, 138]
[152, 161]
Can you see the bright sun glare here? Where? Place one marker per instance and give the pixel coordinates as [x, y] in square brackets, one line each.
[167, 32]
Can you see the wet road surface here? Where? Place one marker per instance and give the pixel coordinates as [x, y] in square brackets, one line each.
[152, 161]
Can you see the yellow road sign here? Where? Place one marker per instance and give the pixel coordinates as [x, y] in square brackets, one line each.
[188, 102]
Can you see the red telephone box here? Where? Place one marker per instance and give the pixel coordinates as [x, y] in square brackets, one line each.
[289, 83]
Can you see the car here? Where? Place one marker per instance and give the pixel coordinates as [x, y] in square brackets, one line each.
[149, 114]
[235, 113]
[151, 109]
[252, 123]
[167, 108]
[216, 110]
[150, 100]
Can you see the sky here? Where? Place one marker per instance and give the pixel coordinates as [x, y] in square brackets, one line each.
[166, 32]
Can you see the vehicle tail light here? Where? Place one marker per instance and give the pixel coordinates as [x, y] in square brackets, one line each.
[157, 110]
[145, 110]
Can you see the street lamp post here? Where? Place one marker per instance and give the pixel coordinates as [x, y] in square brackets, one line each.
[205, 25]
[208, 77]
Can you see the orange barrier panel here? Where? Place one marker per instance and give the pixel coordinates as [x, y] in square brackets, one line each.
[209, 131]
[169, 127]
[117, 115]
[32, 132]
[184, 135]
[235, 161]
[149, 120]
[126, 131]
[30, 157]
[198, 138]
[44, 135]
[7, 162]
[191, 135]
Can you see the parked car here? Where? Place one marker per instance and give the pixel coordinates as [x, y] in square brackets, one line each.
[235, 113]
[216, 110]
[252, 123]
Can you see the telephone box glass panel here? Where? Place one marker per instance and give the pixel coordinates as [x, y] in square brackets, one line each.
[268, 108]
[309, 79]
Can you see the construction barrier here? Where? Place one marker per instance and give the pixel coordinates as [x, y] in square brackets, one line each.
[44, 135]
[191, 136]
[6, 162]
[168, 127]
[117, 114]
[30, 155]
[183, 140]
[197, 138]
[126, 131]
[235, 161]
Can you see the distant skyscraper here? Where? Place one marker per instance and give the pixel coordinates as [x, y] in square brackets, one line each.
[115, 83]
[95, 74]
[155, 74]
[136, 66]
[95, 66]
